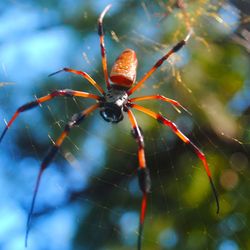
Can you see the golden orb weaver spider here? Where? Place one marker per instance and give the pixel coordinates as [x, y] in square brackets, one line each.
[113, 104]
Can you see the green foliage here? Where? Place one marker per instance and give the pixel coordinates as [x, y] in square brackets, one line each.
[181, 198]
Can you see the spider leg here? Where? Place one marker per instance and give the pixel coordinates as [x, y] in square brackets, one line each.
[159, 97]
[176, 48]
[143, 172]
[75, 120]
[84, 75]
[30, 105]
[102, 45]
[175, 129]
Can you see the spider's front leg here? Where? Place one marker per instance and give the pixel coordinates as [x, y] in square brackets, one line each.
[174, 49]
[83, 74]
[143, 172]
[102, 45]
[75, 120]
[37, 102]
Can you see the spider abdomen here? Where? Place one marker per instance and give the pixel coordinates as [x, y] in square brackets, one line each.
[123, 72]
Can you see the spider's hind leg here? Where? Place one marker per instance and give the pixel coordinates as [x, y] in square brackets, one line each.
[161, 119]
[74, 121]
[143, 172]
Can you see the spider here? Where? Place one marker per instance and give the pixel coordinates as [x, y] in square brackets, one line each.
[113, 105]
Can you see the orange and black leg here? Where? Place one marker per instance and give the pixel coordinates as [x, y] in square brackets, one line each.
[75, 120]
[174, 128]
[37, 102]
[143, 172]
[84, 75]
[102, 45]
[159, 97]
[176, 48]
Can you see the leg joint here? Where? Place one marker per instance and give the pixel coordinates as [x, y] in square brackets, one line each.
[100, 29]
[160, 119]
[138, 135]
[63, 92]
[50, 156]
[75, 120]
[28, 106]
[178, 46]
[144, 180]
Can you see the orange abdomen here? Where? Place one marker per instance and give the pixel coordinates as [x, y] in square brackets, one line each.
[123, 72]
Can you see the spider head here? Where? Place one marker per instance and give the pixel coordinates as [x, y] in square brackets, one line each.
[113, 104]
[110, 112]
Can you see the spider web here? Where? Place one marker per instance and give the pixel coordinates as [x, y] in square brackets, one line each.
[89, 197]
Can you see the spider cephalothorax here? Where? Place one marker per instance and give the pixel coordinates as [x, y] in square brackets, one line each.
[113, 105]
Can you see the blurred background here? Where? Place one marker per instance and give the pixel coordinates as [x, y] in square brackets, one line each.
[89, 196]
